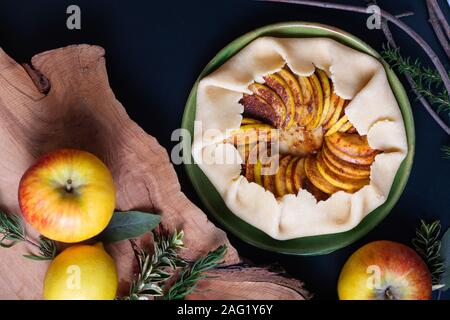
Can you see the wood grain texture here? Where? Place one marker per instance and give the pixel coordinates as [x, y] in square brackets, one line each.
[79, 110]
[242, 282]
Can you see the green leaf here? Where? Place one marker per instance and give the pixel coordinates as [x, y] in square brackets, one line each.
[445, 254]
[129, 225]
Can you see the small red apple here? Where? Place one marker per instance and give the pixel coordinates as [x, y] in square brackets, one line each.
[385, 270]
[67, 195]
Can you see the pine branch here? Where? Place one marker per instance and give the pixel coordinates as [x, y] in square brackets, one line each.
[441, 20]
[428, 246]
[12, 230]
[191, 275]
[153, 266]
[426, 81]
[158, 267]
[446, 151]
[47, 250]
[388, 17]
[385, 18]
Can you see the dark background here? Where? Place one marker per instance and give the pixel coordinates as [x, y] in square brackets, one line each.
[155, 51]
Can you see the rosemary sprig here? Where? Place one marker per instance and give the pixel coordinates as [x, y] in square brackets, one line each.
[428, 246]
[191, 275]
[446, 152]
[158, 267]
[427, 81]
[12, 231]
[47, 250]
[153, 267]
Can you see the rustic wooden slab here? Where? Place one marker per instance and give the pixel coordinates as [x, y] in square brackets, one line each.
[73, 106]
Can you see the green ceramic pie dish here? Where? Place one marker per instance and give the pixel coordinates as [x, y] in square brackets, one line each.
[315, 245]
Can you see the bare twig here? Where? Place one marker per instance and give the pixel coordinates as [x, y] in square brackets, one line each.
[423, 101]
[440, 16]
[438, 27]
[389, 17]
[404, 14]
[391, 41]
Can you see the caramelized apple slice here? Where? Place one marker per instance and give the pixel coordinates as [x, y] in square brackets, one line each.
[293, 84]
[351, 144]
[326, 91]
[251, 133]
[254, 164]
[273, 100]
[317, 102]
[334, 99]
[345, 168]
[251, 157]
[347, 126]
[258, 108]
[335, 128]
[352, 129]
[280, 86]
[313, 174]
[249, 172]
[339, 103]
[249, 121]
[290, 188]
[346, 184]
[257, 173]
[317, 193]
[280, 177]
[367, 160]
[269, 183]
[307, 111]
[298, 174]
[244, 151]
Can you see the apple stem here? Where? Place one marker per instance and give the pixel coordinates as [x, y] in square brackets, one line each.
[388, 294]
[69, 185]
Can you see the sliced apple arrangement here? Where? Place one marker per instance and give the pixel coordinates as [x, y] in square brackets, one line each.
[325, 153]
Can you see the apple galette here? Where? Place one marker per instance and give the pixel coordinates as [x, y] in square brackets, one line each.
[322, 152]
[315, 129]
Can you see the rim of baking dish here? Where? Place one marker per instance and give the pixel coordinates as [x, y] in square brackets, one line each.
[313, 245]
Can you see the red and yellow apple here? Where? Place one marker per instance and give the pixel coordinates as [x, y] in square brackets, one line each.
[385, 270]
[67, 195]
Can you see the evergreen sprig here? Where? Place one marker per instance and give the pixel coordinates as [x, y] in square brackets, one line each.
[190, 276]
[47, 250]
[12, 231]
[154, 267]
[428, 245]
[446, 152]
[158, 267]
[427, 81]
